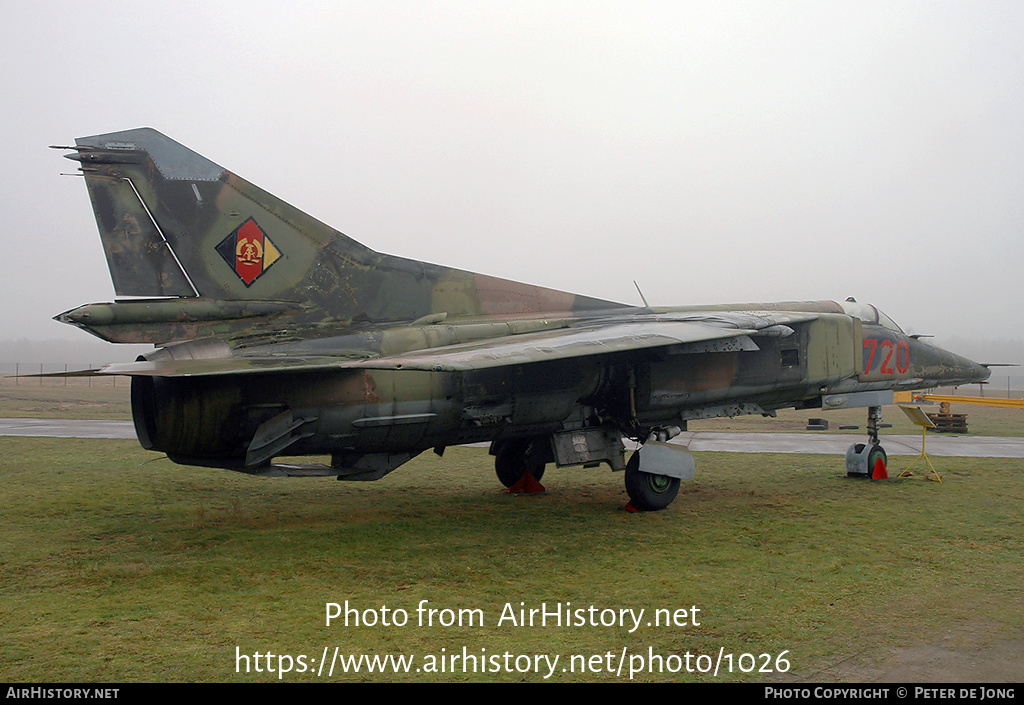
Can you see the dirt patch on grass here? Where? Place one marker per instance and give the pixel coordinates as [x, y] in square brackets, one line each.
[957, 657]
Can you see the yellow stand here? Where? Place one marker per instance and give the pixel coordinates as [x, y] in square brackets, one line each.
[915, 414]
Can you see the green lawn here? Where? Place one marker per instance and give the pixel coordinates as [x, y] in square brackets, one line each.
[118, 567]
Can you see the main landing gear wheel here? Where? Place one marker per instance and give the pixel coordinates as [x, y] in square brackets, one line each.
[648, 492]
[512, 461]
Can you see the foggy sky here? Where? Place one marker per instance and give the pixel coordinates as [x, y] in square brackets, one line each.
[712, 152]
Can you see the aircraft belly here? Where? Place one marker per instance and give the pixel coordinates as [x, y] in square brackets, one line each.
[383, 411]
[376, 411]
[412, 409]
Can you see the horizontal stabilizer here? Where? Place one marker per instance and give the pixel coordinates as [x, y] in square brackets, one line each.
[173, 319]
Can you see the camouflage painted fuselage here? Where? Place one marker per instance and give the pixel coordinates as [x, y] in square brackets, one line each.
[399, 393]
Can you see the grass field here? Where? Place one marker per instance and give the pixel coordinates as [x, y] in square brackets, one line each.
[69, 398]
[118, 567]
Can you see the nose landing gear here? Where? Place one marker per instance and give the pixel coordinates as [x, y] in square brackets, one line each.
[868, 459]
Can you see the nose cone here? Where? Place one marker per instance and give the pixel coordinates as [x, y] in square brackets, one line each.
[945, 369]
[975, 372]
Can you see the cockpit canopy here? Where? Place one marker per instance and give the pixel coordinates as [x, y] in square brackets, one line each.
[869, 314]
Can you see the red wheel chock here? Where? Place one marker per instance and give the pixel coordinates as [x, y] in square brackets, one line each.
[879, 472]
[526, 485]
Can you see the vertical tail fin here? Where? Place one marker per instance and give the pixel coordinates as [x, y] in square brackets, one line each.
[175, 224]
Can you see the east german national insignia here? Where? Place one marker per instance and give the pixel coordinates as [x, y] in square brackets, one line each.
[248, 251]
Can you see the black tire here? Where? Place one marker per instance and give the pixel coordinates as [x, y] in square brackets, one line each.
[512, 461]
[648, 492]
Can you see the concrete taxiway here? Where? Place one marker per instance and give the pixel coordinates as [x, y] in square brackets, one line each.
[837, 443]
[821, 443]
[67, 428]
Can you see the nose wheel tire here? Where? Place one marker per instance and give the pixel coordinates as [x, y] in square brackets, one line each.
[877, 453]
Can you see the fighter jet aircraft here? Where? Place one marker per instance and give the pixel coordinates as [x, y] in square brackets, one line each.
[279, 336]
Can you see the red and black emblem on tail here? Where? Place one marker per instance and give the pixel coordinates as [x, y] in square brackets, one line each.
[248, 251]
